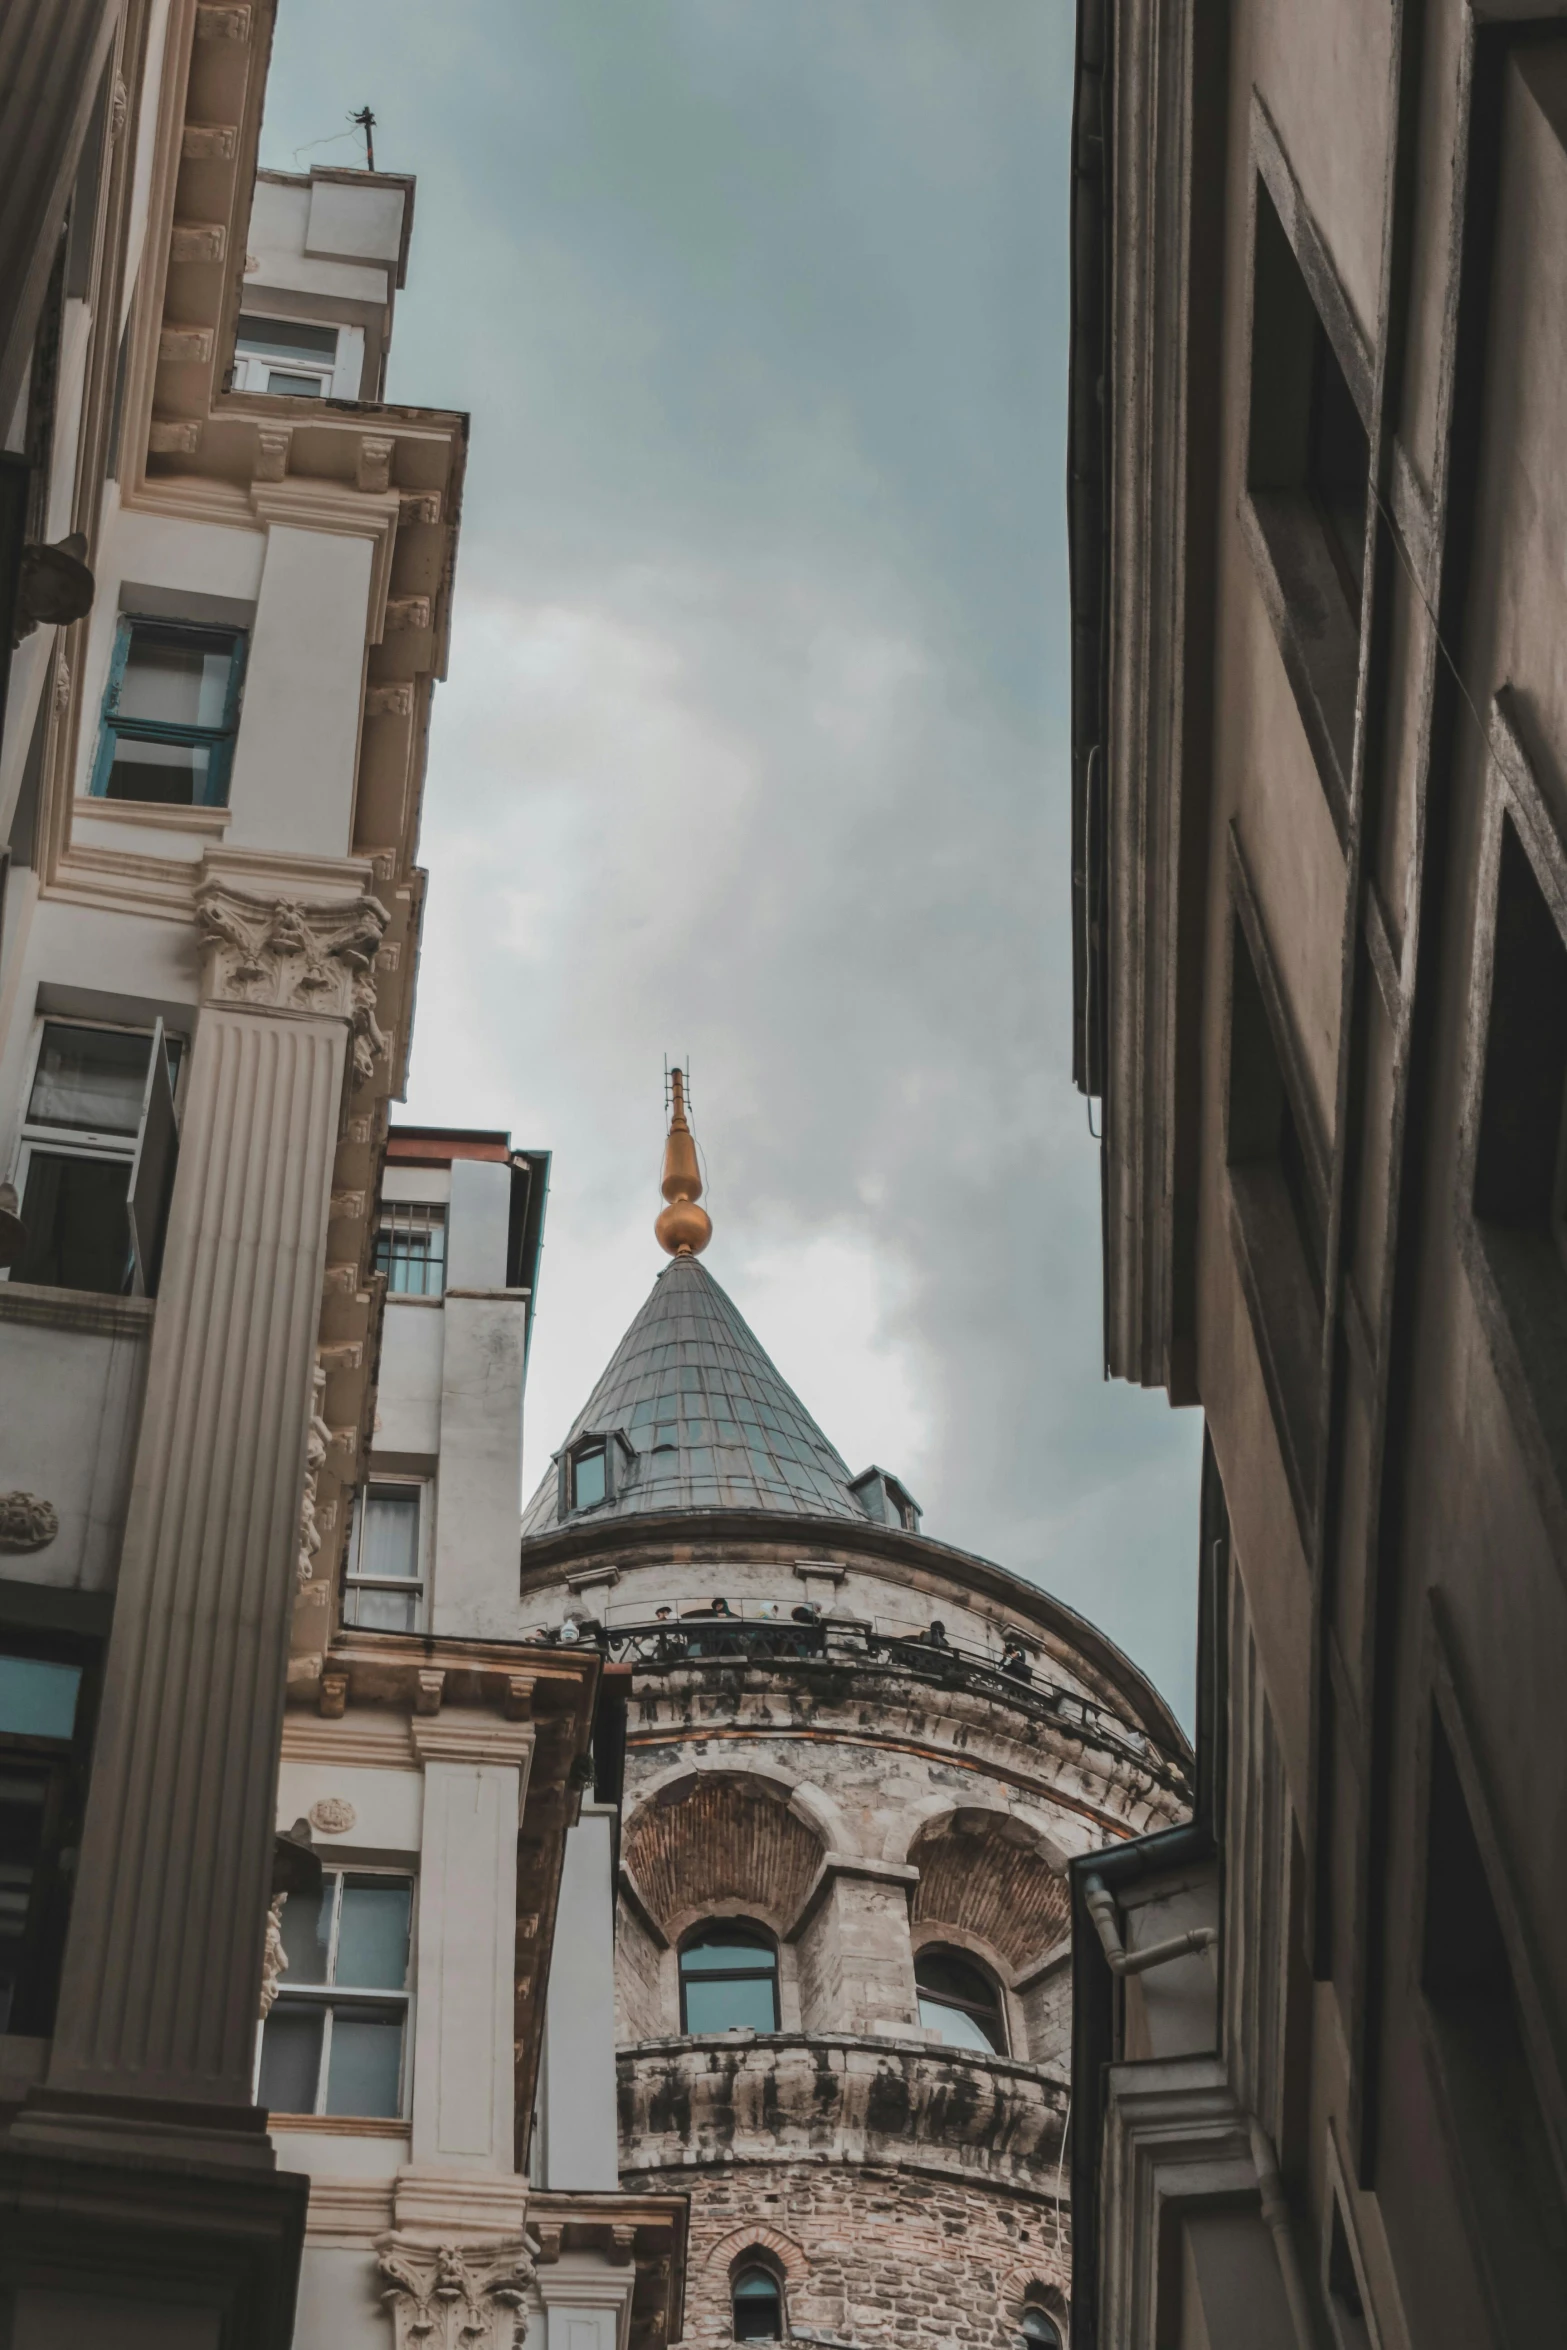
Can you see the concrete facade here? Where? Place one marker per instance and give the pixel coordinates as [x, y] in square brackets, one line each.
[1319, 736]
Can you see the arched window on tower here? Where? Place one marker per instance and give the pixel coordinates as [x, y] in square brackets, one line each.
[757, 2300]
[959, 2000]
[1040, 2331]
[729, 1978]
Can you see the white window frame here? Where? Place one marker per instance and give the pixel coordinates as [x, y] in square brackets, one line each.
[422, 1488]
[329, 1994]
[251, 368]
[80, 1142]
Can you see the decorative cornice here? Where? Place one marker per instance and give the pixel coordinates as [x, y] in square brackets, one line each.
[471, 1738]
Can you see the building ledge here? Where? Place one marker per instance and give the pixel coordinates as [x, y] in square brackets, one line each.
[98, 1315]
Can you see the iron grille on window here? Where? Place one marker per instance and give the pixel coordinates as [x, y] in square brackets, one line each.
[410, 1249]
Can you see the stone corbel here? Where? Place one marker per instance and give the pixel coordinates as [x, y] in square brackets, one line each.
[453, 2296]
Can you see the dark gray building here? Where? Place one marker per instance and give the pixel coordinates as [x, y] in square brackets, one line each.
[1319, 518]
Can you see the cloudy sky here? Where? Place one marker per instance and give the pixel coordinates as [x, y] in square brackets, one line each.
[754, 746]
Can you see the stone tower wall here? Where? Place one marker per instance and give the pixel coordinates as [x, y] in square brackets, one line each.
[858, 1801]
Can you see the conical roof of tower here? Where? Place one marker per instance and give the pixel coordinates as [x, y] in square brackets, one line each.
[707, 1422]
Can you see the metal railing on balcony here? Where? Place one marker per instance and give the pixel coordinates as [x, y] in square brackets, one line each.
[702, 1634]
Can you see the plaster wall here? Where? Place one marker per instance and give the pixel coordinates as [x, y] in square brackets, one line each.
[578, 2102]
[408, 1396]
[388, 1807]
[295, 757]
[481, 1462]
[68, 1429]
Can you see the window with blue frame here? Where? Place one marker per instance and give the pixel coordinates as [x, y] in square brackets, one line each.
[170, 714]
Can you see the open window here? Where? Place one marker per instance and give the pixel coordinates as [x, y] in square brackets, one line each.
[337, 2040]
[756, 2300]
[960, 2000]
[95, 1164]
[385, 1580]
[170, 714]
[729, 1978]
[1308, 475]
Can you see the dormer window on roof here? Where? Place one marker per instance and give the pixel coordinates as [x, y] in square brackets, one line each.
[593, 1469]
[886, 1501]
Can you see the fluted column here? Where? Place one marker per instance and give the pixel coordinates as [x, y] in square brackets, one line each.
[158, 1997]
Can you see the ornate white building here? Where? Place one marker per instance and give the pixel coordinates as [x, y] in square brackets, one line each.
[229, 566]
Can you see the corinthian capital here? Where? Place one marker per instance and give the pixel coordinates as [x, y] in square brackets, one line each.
[453, 2296]
[279, 954]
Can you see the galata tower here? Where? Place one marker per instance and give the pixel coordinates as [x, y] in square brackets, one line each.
[856, 1764]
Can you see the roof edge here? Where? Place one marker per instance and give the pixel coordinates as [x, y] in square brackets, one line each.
[566, 1545]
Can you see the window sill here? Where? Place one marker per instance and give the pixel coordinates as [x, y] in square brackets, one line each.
[155, 813]
[406, 1297]
[89, 1310]
[340, 2125]
[1317, 634]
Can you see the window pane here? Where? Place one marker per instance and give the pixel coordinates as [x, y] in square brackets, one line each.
[299, 387]
[22, 1796]
[290, 338]
[746, 2003]
[382, 1611]
[372, 1935]
[390, 1543]
[37, 1698]
[588, 1479]
[168, 774]
[727, 1958]
[291, 2058]
[74, 1217]
[958, 2028]
[365, 2074]
[176, 677]
[307, 1932]
[410, 1249]
[91, 1079]
[757, 2309]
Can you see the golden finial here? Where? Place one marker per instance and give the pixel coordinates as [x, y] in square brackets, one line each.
[682, 1228]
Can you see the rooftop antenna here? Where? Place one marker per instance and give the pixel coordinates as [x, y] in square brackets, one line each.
[366, 122]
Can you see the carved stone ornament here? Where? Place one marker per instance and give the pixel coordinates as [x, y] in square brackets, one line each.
[332, 1815]
[318, 1443]
[454, 2296]
[274, 1958]
[27, 1521]
[279, 955]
